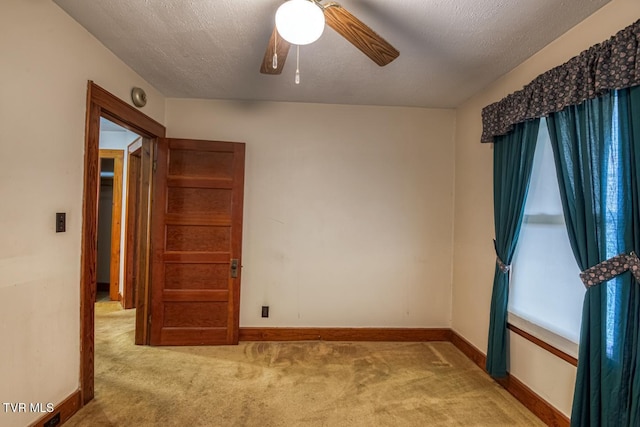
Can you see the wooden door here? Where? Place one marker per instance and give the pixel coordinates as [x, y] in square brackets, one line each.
[196, 242]
[142, 251]
[132, 224]
[132, 221]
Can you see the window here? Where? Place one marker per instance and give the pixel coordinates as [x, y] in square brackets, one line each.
[546, 294]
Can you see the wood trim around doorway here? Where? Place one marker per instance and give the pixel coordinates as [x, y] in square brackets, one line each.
[100, 103]
[131, 214]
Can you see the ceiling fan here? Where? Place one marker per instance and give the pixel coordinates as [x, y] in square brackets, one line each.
[337, 17]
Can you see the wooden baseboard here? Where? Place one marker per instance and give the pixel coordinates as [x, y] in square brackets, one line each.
[64, 410]
[344, 334]
[536, 404]
[469, 350]
[540, 407]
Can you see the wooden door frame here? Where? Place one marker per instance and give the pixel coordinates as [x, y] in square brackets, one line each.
[116, 220]
[131, 213]
[143, 241]
[138, 235]
[100, 103]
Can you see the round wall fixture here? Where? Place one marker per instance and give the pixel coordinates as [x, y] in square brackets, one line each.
[138, 97]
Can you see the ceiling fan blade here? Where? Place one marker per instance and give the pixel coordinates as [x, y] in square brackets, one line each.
[282, 46]
[359, 34]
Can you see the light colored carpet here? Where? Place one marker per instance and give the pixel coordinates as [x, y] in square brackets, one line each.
[288, 384]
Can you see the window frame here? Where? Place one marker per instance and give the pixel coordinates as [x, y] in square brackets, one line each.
[541, 336]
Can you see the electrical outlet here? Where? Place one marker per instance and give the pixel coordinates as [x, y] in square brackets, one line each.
[265, 311]
[53, 421]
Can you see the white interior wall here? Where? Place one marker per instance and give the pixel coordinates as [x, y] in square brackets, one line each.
[474, 256]
[120, 140]
[348, 210]
[47, 59]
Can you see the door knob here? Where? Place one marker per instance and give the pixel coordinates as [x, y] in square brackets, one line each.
[234, 268]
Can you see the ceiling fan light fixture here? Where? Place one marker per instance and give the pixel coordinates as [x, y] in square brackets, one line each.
[300, 22]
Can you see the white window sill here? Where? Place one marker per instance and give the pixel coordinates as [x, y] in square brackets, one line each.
[561, 343]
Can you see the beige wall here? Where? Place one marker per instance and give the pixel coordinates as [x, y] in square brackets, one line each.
[473, 248]
[348, 210]
[46, 60]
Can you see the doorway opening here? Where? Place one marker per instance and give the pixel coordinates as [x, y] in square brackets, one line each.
[102, 104]
[113, 207]
[195, 260]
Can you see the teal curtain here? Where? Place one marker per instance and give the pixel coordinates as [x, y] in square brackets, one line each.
[596, 148]
[512, 164]
[632, 99]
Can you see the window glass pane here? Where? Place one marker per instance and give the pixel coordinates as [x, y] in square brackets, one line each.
[546, 288]
[543, 196]
[545, 284]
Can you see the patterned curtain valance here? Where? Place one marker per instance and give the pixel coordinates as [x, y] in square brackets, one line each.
[613, 64]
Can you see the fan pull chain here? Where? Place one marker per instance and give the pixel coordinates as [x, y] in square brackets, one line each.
[298, 66]
[274, 64]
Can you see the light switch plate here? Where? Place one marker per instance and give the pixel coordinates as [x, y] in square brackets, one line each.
[61, 222]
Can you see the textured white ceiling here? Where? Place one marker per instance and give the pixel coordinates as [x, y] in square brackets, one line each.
[449, 49]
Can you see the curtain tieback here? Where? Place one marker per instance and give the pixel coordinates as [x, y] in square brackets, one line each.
[501, 265]
[610, 268]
